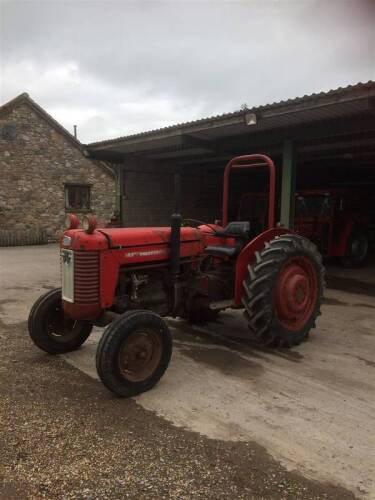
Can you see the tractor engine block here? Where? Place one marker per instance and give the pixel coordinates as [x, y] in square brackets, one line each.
[143, 289]
[212, 285]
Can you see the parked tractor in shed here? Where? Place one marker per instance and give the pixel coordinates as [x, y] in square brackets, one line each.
[127, 279]
[337, 220]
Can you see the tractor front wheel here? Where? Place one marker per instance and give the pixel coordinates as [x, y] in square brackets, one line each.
[357, 250]
[284, 291]
[51, 330]
[134, 353]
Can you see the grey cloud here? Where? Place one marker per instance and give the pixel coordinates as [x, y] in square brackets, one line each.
[130, 66]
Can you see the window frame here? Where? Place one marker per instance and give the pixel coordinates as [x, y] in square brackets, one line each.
[68, 185]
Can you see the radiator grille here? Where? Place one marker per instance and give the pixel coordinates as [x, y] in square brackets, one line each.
[86, 277]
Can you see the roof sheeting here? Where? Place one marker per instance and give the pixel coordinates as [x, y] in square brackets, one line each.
[308, 104]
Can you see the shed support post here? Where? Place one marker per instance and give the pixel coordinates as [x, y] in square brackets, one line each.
[288, 185]
[120, 193]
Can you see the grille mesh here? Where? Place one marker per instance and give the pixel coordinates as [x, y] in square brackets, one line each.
[86, 277]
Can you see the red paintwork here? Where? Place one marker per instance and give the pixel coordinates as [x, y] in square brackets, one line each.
[118, 247]
[73, 221]
[295, 293]
[246, 257]
[82, 311]
[338, 224]
[127, 246]
[252, 161]
[335, 227]
[92, 223]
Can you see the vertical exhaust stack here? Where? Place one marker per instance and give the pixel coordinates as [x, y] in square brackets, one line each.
[176, 220]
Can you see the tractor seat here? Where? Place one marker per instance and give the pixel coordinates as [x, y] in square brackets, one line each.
[239, 231]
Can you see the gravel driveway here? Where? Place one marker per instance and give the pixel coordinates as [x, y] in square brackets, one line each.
[227, 420]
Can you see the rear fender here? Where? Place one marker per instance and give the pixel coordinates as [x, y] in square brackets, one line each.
[247, 256]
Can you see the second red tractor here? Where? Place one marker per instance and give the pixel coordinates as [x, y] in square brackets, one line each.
[127, 279]
[337, 220]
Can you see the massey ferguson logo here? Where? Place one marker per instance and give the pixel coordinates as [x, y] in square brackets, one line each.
[66, 257]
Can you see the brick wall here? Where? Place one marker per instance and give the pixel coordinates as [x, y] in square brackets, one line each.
[149, 194]
[34, 166]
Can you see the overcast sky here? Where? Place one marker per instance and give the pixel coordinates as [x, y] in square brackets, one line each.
[120, 67]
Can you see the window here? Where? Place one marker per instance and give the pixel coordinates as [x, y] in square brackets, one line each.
[313, 206]
[9, 131]
[77, 197]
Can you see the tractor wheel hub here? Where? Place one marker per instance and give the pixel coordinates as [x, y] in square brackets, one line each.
[295, 293]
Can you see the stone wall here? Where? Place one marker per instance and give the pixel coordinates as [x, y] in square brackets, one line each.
[35, 163]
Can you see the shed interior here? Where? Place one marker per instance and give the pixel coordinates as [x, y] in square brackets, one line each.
[321, 141]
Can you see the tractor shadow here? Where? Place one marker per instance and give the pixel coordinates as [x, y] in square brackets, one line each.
[225, 344]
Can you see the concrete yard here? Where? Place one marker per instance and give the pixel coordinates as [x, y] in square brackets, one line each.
[309, 410]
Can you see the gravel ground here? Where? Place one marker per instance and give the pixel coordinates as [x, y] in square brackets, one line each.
[63, 435]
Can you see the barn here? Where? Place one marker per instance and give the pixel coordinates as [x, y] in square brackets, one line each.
[323, 146]
[44, 174]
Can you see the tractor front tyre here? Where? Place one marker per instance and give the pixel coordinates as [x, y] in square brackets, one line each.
[357, 250]
[134, 353]
[283, 291]
[51, 330]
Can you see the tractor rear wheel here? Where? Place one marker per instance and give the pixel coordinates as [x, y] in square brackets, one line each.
[51, 330]
[134, 353]
[284, 291]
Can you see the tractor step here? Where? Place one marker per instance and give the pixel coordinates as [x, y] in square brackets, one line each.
[221, 304]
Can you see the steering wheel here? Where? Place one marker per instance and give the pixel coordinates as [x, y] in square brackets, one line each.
[198, 223]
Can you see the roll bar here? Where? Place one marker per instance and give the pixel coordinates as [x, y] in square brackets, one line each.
[252, 161]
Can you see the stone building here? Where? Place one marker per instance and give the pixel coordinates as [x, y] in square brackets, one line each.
[45, 173]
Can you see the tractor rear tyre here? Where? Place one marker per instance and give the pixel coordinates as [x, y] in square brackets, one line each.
[134, 353]
[51, 330]
[284, 291]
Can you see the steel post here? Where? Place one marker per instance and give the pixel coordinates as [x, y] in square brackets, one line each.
[288, 185]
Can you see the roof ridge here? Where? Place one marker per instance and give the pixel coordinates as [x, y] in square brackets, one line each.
[25, 97]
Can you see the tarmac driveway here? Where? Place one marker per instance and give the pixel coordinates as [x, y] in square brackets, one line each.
[311, 408]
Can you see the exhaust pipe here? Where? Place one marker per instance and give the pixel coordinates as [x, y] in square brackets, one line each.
[176, 220]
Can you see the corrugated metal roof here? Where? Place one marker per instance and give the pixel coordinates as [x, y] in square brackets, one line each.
[271, 106]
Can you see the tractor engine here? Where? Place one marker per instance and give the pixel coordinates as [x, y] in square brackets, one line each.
[143, 289]
[126, 269]
[207, 289]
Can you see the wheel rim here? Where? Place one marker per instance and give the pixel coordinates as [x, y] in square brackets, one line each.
[296, 293]
[359, 247]
[140, 354]
[58, 326]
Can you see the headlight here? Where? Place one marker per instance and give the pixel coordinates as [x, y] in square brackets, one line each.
[89, 223]
[71, 221]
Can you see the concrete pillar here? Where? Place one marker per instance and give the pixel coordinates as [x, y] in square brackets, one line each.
[288, 185]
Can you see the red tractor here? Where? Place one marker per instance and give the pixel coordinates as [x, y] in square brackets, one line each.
[128, 278]
[337, 220]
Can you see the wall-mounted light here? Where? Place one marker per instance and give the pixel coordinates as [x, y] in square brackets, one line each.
[250, 119]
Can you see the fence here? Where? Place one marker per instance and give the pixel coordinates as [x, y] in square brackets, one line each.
[22, 237]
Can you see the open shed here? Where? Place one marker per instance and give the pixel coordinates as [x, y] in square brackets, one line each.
[317, 141]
